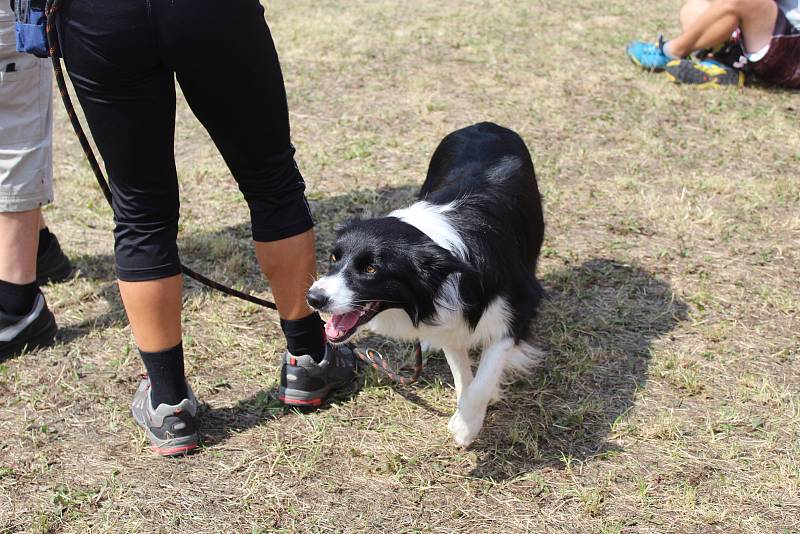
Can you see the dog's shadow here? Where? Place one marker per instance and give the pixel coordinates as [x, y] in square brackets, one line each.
[597, 330]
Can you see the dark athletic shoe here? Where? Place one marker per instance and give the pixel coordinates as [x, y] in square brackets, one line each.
[52, 265]
[705, 73]
[305, 382]
[172, 430]
[19, 333]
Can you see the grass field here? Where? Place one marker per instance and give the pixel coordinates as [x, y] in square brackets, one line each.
[669, 400]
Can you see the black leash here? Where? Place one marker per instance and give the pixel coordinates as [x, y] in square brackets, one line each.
[370, 356]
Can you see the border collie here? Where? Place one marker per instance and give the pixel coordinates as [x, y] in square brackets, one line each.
[456, 270]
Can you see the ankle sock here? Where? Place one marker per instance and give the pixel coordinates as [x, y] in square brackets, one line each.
[305, 336]
[667, 52]
[17, 299]
[167, 381]
[44, 240]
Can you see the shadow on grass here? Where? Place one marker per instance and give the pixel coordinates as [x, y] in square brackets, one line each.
[99, 270]
[218, 424]
[597, 330]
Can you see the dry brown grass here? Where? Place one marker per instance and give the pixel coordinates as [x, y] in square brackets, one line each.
[670, 398]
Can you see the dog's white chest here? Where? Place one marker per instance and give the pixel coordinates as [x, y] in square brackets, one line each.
[450, 329]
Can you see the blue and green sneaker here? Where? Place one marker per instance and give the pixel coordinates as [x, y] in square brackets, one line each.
[649, 56]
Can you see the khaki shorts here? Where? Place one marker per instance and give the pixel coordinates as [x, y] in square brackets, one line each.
[26, 124]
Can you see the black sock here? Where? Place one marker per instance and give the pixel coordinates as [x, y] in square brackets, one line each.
[305, 336]
[44, 240]
[17, 299]
[167, 381]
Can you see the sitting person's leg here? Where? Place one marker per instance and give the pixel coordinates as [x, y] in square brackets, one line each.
[715, 25]
[690, 11]
[706, 25]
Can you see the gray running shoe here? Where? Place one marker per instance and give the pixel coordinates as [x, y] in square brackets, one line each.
[172, 429]
[305, 382]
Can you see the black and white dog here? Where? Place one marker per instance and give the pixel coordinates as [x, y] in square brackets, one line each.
[455, 270]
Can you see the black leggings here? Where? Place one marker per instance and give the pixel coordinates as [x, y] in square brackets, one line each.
[123, 57]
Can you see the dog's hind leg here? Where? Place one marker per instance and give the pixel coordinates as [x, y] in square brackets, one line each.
[468, 419]
[460, 367]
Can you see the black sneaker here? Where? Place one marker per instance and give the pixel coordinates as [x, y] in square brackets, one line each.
[26, 332]
[52, 265]
[704, 73]
[305, 382]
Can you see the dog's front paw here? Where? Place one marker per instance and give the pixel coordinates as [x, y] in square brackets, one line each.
[465, 426]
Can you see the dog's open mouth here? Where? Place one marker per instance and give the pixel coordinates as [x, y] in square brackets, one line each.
[341, 326]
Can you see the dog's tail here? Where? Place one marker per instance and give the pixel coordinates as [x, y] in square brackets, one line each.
[521, 361]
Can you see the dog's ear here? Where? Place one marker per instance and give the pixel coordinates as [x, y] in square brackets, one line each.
[432, 265]
[435, 259]
[341, 228]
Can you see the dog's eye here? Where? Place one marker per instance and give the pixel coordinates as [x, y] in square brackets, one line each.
[370, 269]
[334, 259]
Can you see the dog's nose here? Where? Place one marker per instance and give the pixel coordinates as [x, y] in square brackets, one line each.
[317, 298]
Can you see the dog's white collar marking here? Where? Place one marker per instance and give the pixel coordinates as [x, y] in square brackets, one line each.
[431, 220]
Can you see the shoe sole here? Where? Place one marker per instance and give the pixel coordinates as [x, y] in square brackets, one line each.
[638, 64]
[169, 447]
[42, 338]
[297, 397]
[174, 451]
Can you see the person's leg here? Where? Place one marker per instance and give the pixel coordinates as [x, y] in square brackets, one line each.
[235, 87]
[26, 160]
[19, 239]
[128, 96]
[154, 311]
[715, 25]
[690, 11]
[232, 81]
[25, 320]
[25, 186]
[290, 266]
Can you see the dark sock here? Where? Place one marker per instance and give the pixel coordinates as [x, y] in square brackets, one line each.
[17, 299]
[167, 381]
[44, 240]
[305, 336]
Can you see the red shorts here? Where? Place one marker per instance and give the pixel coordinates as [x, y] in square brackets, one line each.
[781, 64]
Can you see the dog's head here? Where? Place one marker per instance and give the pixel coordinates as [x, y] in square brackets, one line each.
[376, 265]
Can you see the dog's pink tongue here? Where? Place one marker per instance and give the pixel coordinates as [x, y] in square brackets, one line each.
[340, 324]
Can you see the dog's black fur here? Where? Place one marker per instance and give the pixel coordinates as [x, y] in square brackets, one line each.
[485, 171]
[499, 217]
